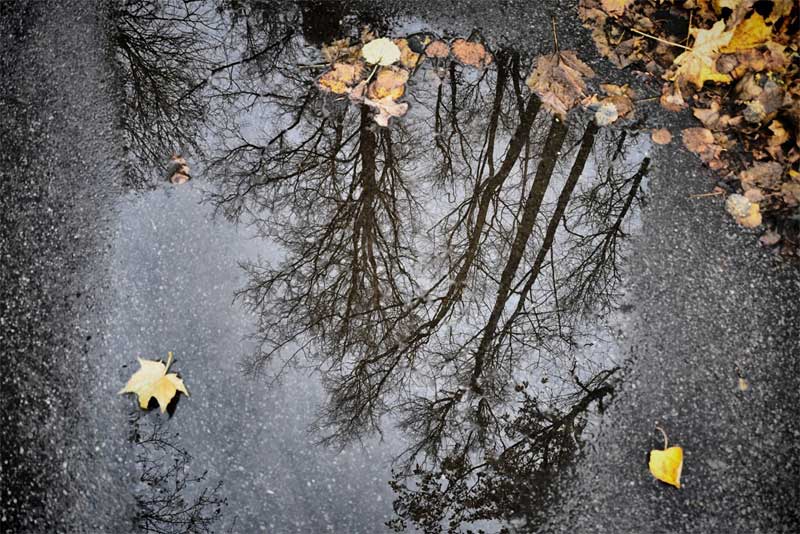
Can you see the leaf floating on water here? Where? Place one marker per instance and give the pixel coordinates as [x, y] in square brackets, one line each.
[558, 81]
[471, 53]
[437, 49]
[390, 82]
[341, 77]
[178, 170]
[408, 58]
[386, 108]
[152, 380]
[666, 465]
[381, 52]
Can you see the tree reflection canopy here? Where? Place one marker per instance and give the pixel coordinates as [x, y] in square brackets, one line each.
[443, 274]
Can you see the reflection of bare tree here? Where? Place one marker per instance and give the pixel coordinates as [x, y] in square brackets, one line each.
[509, 481]
[162, 47]
[171, 501]
[428, 269]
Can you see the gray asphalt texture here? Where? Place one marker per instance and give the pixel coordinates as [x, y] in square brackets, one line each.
[90, 276]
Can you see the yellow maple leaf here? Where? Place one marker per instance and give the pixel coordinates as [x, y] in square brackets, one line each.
[152, 380]
[666, 465]
[698, 64]
[749, 33]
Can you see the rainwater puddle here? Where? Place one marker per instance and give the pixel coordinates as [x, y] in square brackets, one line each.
[435, 275]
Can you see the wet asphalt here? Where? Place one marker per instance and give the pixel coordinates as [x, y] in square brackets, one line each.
[93, 276]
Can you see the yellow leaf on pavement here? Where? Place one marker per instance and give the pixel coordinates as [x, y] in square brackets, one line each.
[698, 65]
[667, 465]
[152, 380]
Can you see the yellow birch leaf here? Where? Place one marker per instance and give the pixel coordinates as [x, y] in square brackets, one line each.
[698, 65]
[667, 465]
[152, 380]
[748, 34]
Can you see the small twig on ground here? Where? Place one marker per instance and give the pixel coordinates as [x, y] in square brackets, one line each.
[711, 194]
[660, 40]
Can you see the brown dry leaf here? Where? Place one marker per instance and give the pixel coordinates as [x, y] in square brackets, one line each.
[702, 141]
[765, 106]
[341, 77]
[615, 7]
[697, 139]
[340, 50]
[748, 34]
[672, 98]
[779, 134]
[661, 136]
[408, 58]
[790, 192]
[618, 90]
[709, 117]
[390, 82]
[698, 65]
[471, 53]
[386, 109]
[770, 238]
[558, 81]
[437, 49]
[754, 195]
[769, 57]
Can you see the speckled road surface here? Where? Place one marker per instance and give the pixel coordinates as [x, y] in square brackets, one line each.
[93, 276]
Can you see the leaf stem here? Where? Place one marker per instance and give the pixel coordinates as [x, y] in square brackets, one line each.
[660, 40]
[371, 74]
[663, 434]
[169, 361]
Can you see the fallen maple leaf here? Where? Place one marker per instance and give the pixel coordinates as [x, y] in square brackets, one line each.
[748, 34]
[698, 64]
[152, 380]
[666, 465]
[558, 81]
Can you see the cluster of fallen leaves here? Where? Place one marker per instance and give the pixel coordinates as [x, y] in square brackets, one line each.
[374, 71]
[735, 63]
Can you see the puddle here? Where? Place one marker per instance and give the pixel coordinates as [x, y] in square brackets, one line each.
[451, 282]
